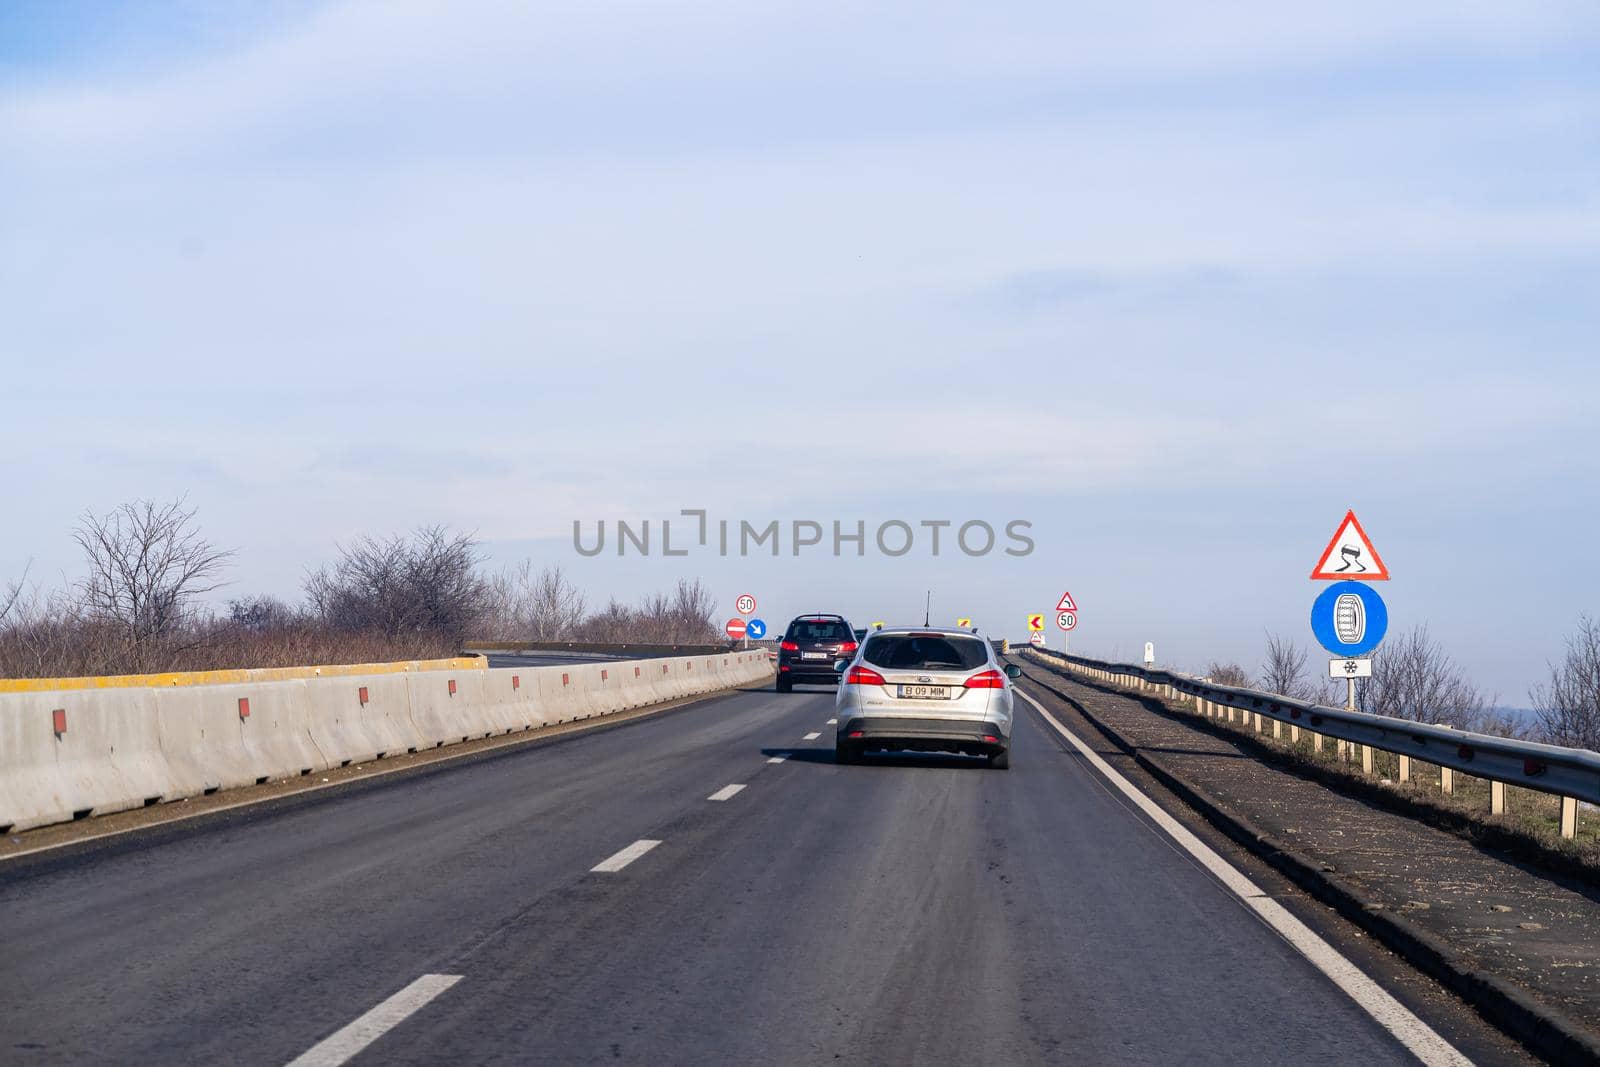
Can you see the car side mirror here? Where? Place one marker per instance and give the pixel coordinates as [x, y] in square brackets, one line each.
[1013, 671]
[839, 665]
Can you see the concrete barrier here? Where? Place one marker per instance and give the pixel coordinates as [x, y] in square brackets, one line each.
[74, 754]
[361, 718]
[201, 732]
[89, 751]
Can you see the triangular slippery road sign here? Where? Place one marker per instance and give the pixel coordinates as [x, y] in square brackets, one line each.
[1350, 556]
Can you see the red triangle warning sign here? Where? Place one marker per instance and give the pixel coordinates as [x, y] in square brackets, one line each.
[1350, 556]
[1067, 603]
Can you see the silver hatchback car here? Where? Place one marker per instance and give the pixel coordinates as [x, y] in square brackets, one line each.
[925, 689]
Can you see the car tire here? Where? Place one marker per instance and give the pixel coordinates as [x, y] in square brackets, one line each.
[1000, 761]
[785, 685]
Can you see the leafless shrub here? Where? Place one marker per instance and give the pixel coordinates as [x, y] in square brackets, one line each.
[425, 583]
[147, 566]
[1413, 678]
[683, 616]
[1228, 674]
[262, 614]
[1567, 707]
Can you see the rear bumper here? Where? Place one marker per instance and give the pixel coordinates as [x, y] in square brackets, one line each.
[926, 735]
[809, 672]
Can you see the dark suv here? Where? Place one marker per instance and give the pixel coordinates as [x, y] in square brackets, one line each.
[809, 648]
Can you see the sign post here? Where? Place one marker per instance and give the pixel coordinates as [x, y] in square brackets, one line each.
[745, 604]
[1349, 618]
[1066, 618]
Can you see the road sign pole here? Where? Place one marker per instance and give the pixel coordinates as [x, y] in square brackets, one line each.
[1350, 694]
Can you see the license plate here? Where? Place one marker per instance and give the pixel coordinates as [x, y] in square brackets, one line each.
[924, 692]
[813, 655]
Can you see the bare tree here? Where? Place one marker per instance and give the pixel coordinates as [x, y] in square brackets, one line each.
[1413, 678]
[1568, 705]
[538, 607]
[692, 605]
[1228, 674]
[1284, 671]
[425, 583]
[148, 565]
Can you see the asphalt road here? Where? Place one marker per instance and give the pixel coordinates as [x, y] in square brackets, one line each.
[908, 910]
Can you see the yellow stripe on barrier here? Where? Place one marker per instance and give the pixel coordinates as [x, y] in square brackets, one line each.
[236, 677]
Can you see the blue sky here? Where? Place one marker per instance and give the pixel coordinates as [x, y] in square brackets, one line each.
[1177, 285]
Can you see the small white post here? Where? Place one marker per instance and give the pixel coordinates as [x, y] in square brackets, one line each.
[1447, 780]
[1569, 817]
[1366, 759]
[1497, 798]
[1405, 768]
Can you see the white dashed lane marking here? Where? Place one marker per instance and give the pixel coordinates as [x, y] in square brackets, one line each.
[833, 722]
[340, 1046]
[777, 759]
[810, 737]
[727, 792]
[625, 857]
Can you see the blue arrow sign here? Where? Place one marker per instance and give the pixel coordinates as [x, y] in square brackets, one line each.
[755, 629]
[1349, 619]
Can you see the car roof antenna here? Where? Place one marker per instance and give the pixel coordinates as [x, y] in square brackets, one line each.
[927, 609]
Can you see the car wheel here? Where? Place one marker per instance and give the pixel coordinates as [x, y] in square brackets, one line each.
[785, 685]
[1000, 761]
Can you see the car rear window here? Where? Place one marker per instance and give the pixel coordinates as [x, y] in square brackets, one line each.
[925, 652]
[823, 630]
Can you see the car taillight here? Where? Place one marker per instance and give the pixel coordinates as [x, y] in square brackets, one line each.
[849, 646]
[789, 646]
[986, 680]
[863, 676]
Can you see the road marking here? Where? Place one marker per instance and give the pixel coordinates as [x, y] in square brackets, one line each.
[810, 737]
[727, 792]
[833, 722]
[340, 1046]
[1417, 1036]
[777, 759]
[625, 857]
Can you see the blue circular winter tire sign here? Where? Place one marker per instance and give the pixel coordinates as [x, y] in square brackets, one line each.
[1349, 619]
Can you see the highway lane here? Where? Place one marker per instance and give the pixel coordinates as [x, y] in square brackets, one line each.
[911, 909]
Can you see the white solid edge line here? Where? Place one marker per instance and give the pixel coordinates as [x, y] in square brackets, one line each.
[726, 792]
[625, 857]
[343, 1044]
[810, 737]
[1417, 1036]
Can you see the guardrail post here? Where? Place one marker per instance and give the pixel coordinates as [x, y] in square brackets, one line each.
[1277, 730]
[1258, 721]
[1569, 817]
[1497, 798]
[1366, 759]
[1339, 751]
[1447, 780]
[1405, 768]
[1294, 734]
[1316, 742]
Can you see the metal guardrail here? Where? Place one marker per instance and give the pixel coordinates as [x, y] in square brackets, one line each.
[1573, 774]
